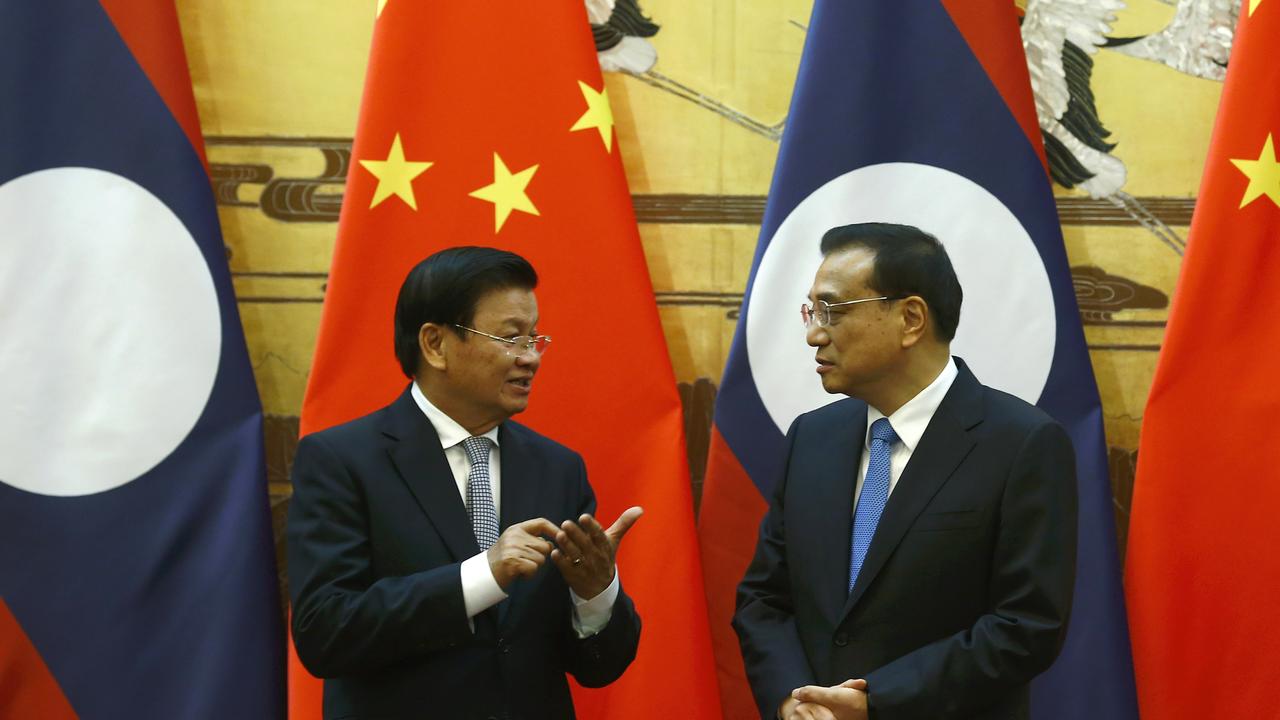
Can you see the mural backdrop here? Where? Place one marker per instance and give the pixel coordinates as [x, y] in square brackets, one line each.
[700, 94]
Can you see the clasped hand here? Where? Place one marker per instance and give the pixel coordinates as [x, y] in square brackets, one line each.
[583, 551]
[846, 701]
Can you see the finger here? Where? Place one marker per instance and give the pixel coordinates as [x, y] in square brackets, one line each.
[577, 535]
[531, 555]
[526, 567]
[822, 712]
[539, 526]
[567, 546]
[596, 533]
[564, 561]
[806, 711]
[855, 684]
[561, 560]
[814, 711]
[623, 524]
[813, 694]
[536, 544]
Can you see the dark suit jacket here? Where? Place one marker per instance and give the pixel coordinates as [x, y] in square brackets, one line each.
[377, 532]
[966, 588]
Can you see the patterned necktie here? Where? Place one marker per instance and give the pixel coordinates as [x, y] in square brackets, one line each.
[484, 517]
[875, 493]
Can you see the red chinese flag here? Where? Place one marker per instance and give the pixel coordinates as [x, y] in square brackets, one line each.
[1203, 571]
[489, 124]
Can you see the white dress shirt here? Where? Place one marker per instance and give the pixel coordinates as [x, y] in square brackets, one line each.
[480, 590]
[909, 422]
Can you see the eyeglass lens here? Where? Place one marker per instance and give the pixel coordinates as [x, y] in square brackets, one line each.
[525, 343]
[816, 314]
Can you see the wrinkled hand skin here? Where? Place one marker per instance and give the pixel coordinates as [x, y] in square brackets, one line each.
[846, 701]
[595, 546]
[521, 550]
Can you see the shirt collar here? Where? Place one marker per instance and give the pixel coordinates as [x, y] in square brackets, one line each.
[450, 432]
[910, 421]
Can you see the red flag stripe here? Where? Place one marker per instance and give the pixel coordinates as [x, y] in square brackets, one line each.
[27, 688]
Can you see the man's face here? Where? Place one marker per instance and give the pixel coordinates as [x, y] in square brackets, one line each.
[859, 349]
[488, 384]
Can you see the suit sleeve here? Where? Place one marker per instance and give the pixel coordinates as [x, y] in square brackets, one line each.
[343, 621]
[765, 618]
[1032, 576]
[597, 660]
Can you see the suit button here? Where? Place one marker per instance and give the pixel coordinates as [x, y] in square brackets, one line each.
[842, 639]
[503, 647]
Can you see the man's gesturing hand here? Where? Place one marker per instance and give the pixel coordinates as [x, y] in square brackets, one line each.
[520, 550]
[586, 551]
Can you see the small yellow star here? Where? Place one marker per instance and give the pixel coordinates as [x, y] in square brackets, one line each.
[598, 115]
[507, 192]
[395, 175]
[381, 4]
[1263, 174]
[1253, 5]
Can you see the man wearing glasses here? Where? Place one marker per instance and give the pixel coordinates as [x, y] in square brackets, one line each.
[918, 556]
[443, 559]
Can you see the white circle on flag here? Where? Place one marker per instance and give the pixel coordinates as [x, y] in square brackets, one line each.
[110, 333]
[1007, 328]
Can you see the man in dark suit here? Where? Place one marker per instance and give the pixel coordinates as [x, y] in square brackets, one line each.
[918, 555]
[419, 535]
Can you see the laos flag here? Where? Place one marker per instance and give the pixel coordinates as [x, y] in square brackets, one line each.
[137, 574]
[918, 112]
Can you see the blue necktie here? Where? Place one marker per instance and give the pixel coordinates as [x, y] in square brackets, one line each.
[875, 493]
[484, 516]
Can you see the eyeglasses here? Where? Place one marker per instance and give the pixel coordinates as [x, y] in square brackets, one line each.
[516, 346]
[820, 311]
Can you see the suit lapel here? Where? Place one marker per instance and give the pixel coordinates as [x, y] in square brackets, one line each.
[943, 446]
[833, 502]
[420, 461]
[520, 480]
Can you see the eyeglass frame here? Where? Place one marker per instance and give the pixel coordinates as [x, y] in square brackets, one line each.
[530, 345]
[807, 310]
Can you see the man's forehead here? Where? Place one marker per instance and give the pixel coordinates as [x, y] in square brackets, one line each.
[513, 305]
[842, 272]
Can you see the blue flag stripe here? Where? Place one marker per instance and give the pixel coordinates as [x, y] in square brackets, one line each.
[157, 598]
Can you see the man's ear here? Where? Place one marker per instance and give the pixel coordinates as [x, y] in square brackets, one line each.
[431, 342]
[915, 320]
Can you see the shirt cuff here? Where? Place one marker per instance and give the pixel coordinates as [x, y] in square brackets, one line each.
[480, 591]
[590, 616]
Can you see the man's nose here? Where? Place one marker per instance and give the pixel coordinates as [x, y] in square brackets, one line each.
[529, 360]
[816, 335]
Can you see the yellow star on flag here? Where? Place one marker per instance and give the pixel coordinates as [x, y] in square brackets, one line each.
[381, 4]
[1253, 5]
[395, 175]
[507, 192]
[598, 115]
[1263, 174]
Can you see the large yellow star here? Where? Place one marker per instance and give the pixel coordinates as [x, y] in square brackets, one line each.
[381, 4]
[395, 175]
[507, 192]
[1253, 5]
[598, 115]
[1263, 174]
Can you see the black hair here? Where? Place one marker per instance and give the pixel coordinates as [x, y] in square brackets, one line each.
[445, 288]
[908, 261]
